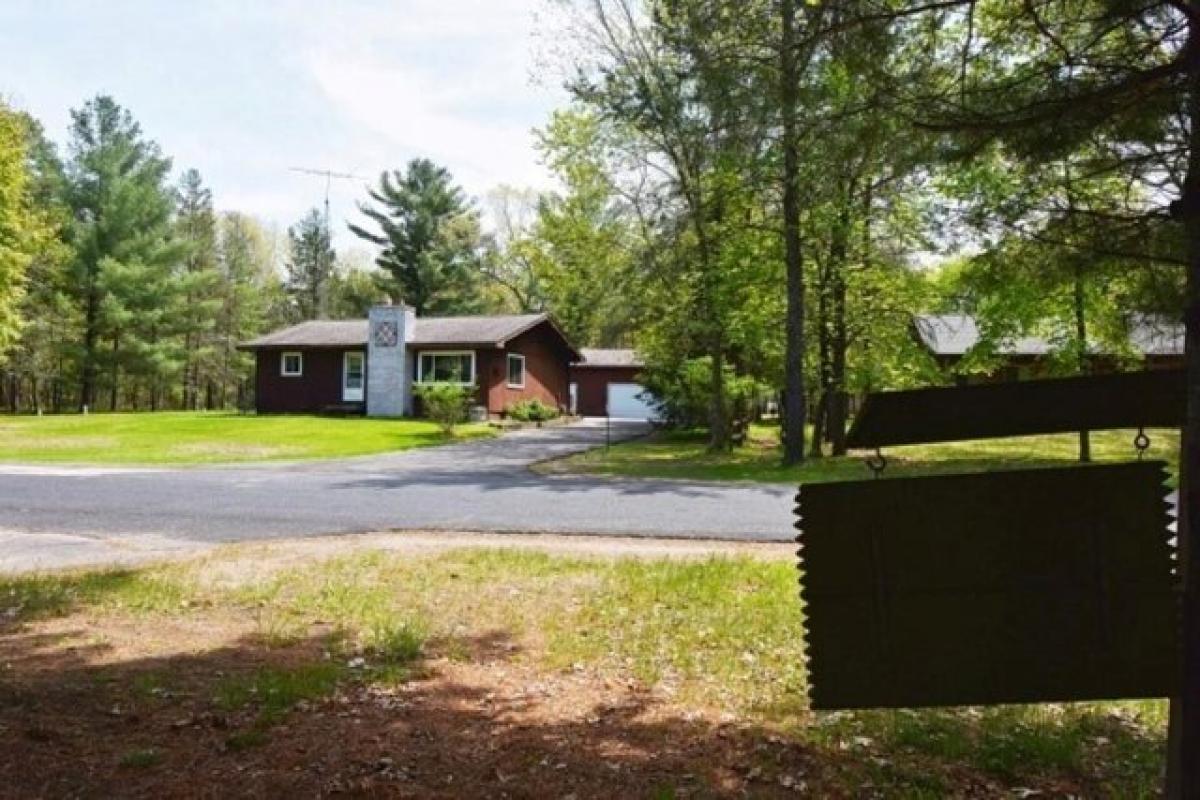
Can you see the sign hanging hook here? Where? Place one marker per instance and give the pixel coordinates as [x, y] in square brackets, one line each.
[877, 463]
[1141, 442]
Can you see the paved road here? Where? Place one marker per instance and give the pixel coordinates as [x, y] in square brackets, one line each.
[59, 516]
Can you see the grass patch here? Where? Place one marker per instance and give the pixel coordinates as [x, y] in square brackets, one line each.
[725, 631]
[147, 591]
[210, 437]
[273, 691]
[683, 455]
[720, 635]
[140, 759]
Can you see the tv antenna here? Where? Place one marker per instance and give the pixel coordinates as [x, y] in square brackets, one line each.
[329, 176]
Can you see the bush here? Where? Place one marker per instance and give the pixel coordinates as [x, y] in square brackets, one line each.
[532, 410]
[444, 403]
[684, 392]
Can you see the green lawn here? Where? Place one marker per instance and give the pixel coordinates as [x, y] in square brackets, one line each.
[683, 455]
[208, 437]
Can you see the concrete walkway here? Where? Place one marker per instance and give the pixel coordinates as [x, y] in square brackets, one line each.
[59, 516]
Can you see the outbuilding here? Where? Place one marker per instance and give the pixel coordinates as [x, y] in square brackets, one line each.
[607, 382]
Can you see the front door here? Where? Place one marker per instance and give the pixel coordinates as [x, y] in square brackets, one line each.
[352, 377]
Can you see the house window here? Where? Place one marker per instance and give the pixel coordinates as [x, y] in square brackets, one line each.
[291, 365]
[447, 367]
[516, 371]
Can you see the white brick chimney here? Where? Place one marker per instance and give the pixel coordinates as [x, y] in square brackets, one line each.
[389, 364]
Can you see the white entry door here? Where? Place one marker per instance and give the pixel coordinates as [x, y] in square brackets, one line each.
[352, 377]
[625, 401]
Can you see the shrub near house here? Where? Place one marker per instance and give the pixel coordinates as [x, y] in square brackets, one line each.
[444, 403]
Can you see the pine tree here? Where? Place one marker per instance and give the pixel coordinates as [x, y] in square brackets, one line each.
[121, 212]
[197, 227]
[431, 240]
[311, 258]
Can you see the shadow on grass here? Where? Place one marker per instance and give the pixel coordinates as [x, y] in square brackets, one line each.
[247, 719]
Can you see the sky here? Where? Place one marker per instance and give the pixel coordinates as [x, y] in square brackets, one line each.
[245, 90]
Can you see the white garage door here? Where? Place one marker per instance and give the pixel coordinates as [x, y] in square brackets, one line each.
[624, 401]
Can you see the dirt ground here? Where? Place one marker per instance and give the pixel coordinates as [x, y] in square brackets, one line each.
[102, 703]
[106, 707]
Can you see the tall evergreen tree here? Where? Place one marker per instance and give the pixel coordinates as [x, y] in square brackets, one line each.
[430, 239]
[311, 259]
[121, 211]
[197, 227]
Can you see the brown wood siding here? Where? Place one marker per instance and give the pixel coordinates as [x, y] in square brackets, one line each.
[319, 388]
[592, 386]
[546, 365]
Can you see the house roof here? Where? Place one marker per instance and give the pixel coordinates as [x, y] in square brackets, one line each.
[491, 331]
[473, 330]
[315, 333]
[955, 334]
[609, 357]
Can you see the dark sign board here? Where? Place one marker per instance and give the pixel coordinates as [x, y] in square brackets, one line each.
[1023, 586]
[1059, 405]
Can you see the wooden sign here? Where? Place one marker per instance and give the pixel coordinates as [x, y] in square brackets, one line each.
[1056, 405]
[1023, 586]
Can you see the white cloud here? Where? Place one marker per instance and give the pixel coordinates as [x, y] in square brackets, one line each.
[450, 85]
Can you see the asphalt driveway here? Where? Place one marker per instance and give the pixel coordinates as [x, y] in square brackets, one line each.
[54, 516]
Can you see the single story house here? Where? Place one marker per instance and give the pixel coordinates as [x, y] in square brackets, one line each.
[606, 382]
[371, 365]
[949, 337]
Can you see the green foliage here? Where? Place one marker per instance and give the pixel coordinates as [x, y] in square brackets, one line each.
[252, 301]
[430, 239]
[194, 315]
[146, 293]
[352, 292]
[310, 264]
[582, 247]
[684, 391]
[125, 248]
[445, 403]
[25, 231]
[531, 410]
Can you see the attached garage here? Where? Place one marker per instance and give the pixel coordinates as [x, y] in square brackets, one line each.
[605, 382]
[629, 401]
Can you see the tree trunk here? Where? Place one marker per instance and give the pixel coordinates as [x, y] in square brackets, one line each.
[794, 400]
[719, 433]
[91, 323]
[820, 413]
[1183, 761]
[824, 367]
[1085, 437]
[113, 392]
[837, 409]
[839, 401]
